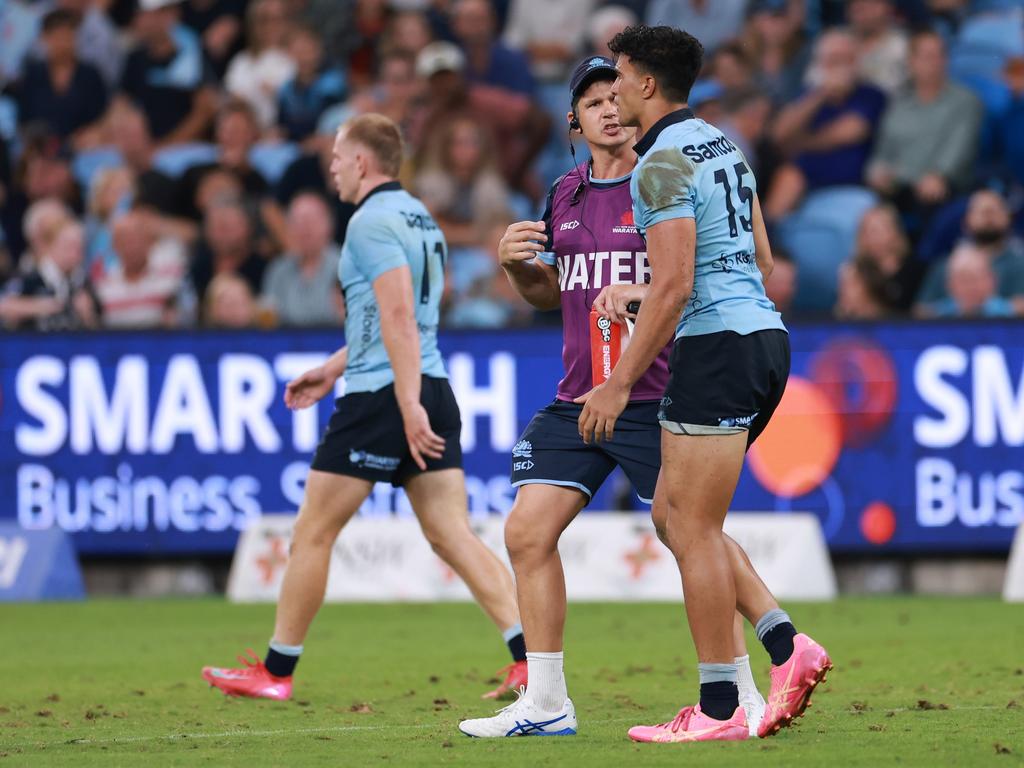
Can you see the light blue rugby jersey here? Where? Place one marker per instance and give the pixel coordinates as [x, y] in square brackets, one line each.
[389, 229]
[689, 169]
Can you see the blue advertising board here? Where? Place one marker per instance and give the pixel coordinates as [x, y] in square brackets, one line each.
[900, 437]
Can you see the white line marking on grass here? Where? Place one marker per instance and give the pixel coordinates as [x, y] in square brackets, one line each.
[243, 733]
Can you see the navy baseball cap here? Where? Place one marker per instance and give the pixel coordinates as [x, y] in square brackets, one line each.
[589, 70]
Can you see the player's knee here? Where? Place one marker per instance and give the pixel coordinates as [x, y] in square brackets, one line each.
[526, 542]
[675, 542]
[445, 540]
[313, 531]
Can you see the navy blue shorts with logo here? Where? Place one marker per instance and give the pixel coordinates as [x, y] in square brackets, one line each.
[724, 383]
[365, 437]
[551, 451]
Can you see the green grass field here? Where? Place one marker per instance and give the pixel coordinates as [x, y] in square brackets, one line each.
[917, 682]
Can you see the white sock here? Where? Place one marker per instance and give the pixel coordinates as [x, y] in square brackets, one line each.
[745, 678]
[546, 687]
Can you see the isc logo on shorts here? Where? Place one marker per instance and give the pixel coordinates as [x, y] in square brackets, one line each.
[522, 466]
[569, 225]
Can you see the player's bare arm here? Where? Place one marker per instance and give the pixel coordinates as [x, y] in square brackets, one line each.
[762, 247]
[534, 280]
[401, 338]
[313, 385]
[670, 251]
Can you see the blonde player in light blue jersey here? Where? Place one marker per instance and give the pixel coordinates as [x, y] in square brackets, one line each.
[398, 421]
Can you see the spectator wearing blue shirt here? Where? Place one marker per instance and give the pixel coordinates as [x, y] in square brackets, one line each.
[168, 76]
[987, 227]
[219, 25]
[828, 132]
[62, 91]
[315, 87]
[971, 284]
[1008, 124]
[487, 60]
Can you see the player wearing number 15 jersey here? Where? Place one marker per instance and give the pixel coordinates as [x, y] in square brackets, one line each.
[398, 421]
[695, 200]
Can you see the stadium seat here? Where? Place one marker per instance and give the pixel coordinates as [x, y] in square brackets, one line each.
[985, 42]
[821, 235]
[8, 118]
[996, 99]
[174, 161]
[272, 160]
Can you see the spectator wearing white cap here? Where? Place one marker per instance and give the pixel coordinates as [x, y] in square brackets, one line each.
[518, 126]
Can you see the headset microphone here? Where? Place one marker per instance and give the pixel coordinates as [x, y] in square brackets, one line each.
[574, 199]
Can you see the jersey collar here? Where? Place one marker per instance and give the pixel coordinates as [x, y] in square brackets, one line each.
[679, 116]
[387, 186]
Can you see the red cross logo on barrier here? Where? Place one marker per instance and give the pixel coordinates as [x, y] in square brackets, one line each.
[274, 558]
[447, 574]
[643, 556]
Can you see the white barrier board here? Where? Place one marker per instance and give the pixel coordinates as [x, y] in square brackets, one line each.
[606, 557]
[1013, 588]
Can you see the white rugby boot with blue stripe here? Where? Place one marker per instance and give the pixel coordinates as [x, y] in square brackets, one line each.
[523, 718]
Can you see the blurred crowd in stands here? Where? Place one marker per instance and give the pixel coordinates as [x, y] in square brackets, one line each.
[164, 164]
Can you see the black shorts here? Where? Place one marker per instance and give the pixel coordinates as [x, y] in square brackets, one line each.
[551, 451]
[365, 437]
[724, 383]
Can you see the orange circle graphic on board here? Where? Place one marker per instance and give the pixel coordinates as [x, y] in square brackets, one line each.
[878, 523]
[801, 445]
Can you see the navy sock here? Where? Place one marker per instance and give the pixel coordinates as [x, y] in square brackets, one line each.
[778, 641]
[517, 646]
[719, 700]
[280, 664]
